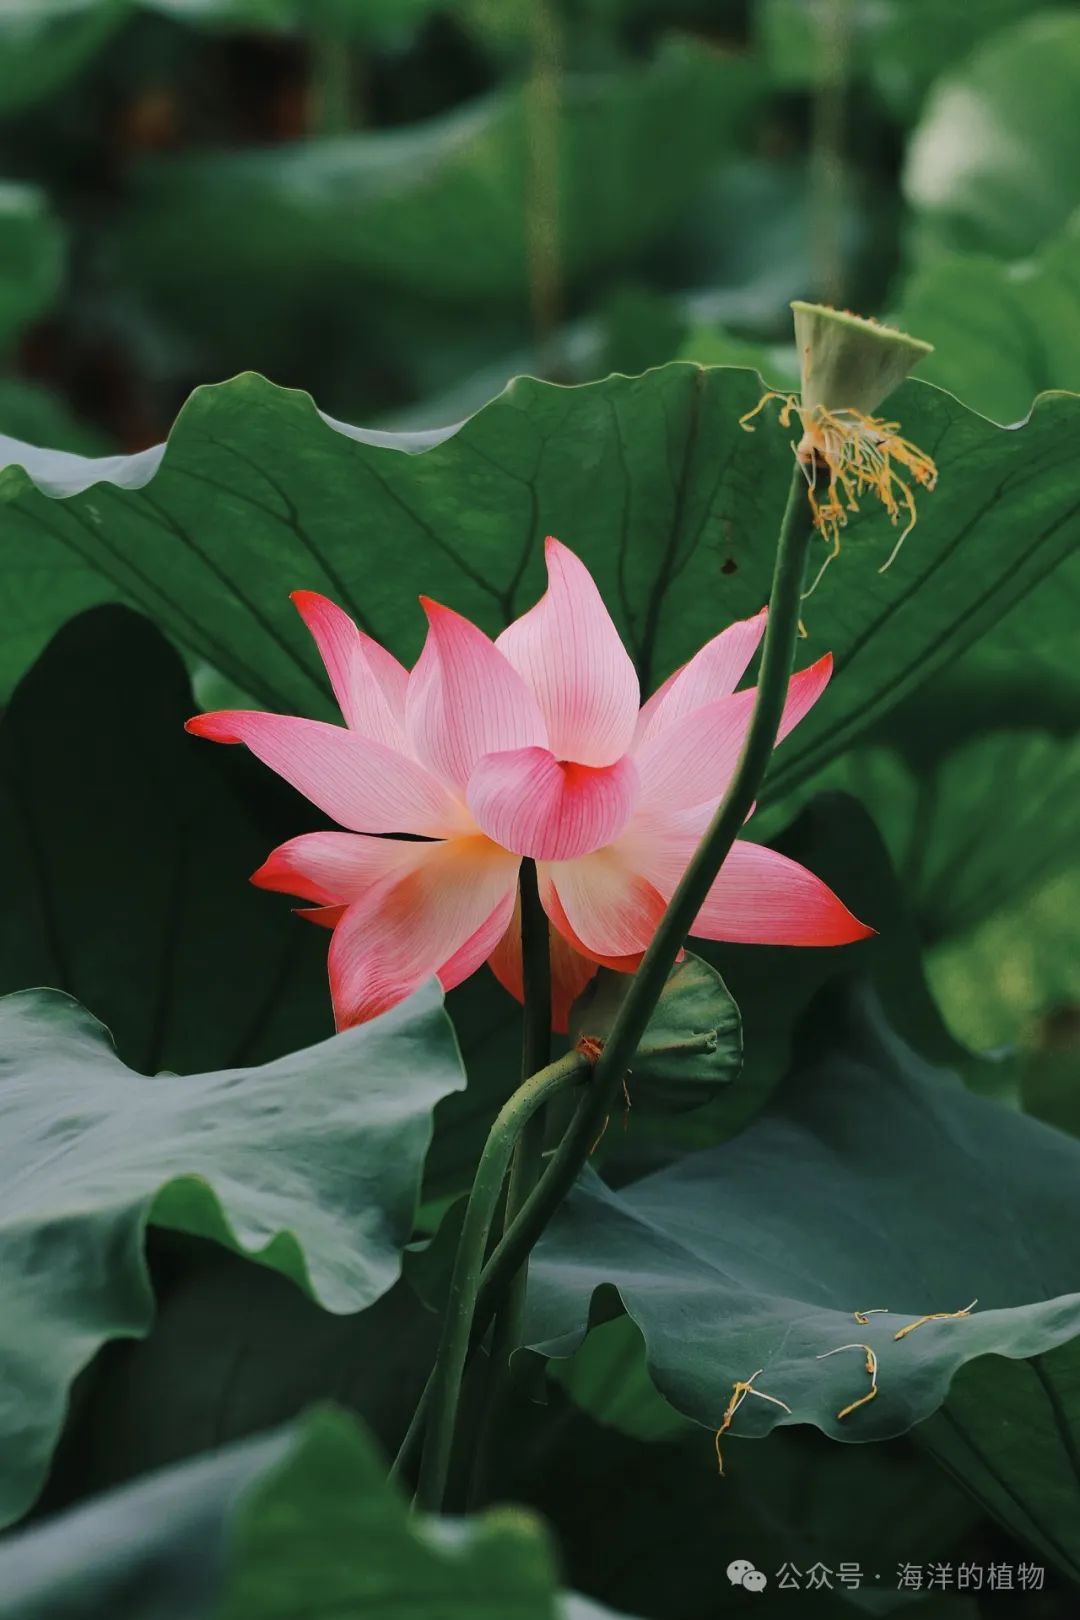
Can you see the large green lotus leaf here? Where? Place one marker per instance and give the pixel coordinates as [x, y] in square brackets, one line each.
[310, 1164]
[301, 1521]
[872, 1181]
[235, 1349]
[990, 166]
[1003, 332]
[136, 902]
[607, 1377]
[642, 1511]
[436, 210]
[673, 506]
[31, 258]
[1011, 1432]
[43, 43]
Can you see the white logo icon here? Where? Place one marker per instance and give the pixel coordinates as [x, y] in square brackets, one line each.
[741, 1572]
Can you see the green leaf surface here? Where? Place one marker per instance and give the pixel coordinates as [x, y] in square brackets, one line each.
[692, 1044]
[139, 904]
[1011, 1432]
[990, 166]
[650, 478]
[235, 1349]
[641, 1511]
[871, 1182]
[1002, 332]
[31, 258]
[301, 1521]
[608, 1378]
[310, 1165]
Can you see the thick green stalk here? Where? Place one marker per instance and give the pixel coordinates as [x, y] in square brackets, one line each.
[444, 1387]
[526, 1166]
[536, 975]
[777, 657]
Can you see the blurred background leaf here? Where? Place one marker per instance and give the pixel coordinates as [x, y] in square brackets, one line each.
[991, 166]
[297, 1521]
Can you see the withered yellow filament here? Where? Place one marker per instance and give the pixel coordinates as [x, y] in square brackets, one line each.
[935, 1316]
[740, 1389]
[871, 1367]
[862, 455]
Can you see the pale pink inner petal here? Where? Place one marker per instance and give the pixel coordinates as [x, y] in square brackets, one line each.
[331, 867]
[712, 673]
[570, 653]
[549, 809]
[361, 783]
[691, 761]
[611, 910]
[570, 971]
[368, 682]
[465, 700]
[441, 914]
[762, 898]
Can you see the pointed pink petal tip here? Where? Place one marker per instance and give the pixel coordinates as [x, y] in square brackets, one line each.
[303, 600]
[568, 651]
[214, 726]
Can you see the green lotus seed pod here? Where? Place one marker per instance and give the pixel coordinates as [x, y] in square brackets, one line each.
[847, 363]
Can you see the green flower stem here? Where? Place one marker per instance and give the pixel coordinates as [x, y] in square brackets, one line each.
[777, 657]
[536, 974]
[444, 1387]
[526, 1166]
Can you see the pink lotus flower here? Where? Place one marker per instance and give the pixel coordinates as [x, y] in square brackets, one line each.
[531, 745]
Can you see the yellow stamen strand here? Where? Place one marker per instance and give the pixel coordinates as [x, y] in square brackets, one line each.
[871, 1367]
[863, 1317]
[862, 455]
[740, 1389]
[935, 1316]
